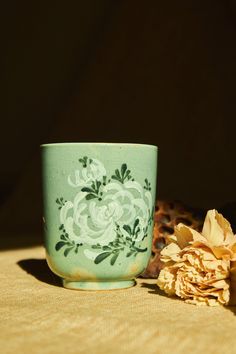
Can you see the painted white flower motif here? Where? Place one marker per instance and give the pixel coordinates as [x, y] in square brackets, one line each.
[92, 170]
[96, 221]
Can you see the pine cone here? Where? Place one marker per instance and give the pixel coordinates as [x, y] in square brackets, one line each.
[167, 215]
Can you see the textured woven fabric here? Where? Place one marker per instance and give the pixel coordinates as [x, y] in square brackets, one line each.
[39, 316]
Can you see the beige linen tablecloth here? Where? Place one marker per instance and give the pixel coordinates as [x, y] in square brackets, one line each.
[39, 316]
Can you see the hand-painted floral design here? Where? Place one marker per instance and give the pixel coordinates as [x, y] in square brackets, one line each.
[92, 170]
[107, 216]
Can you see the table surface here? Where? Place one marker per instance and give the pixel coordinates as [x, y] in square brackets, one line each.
[39, 316]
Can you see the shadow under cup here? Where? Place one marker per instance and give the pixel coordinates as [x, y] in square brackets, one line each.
[98, 210]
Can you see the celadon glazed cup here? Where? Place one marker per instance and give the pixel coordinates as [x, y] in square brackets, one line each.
[98, 212]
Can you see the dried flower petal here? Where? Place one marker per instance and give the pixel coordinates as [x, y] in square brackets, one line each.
[185, 234]
[170, 253]
[217, 229]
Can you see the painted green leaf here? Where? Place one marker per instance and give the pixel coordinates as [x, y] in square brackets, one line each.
[84, 161]
[129, 254]
[127, 174]
[123, 169]
[127, 228]
[115, 177]
[96, 247]
[87, 189]
[59, 245]
[98, 183]
[101, 257]
[61, 227]
[117, 173]
[90, 196]
[114, 258]
[135, 225]
[66, 252]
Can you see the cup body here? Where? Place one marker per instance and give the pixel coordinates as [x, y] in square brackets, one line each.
[98, 212]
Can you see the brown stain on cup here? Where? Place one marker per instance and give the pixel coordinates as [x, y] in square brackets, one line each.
[81, 274]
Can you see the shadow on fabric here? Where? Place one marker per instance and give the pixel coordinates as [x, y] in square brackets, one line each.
[40, 270]
[232, 309]
[153, 289]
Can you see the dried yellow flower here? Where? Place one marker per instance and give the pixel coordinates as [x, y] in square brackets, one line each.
[201, 267]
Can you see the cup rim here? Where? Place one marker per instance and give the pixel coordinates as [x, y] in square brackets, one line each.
[98, 144]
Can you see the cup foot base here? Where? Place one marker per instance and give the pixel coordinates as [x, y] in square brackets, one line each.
[101, 285]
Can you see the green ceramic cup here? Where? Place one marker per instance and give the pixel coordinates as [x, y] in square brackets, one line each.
[98, 212]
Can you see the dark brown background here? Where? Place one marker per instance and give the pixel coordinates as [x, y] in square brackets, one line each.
[159, 72]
